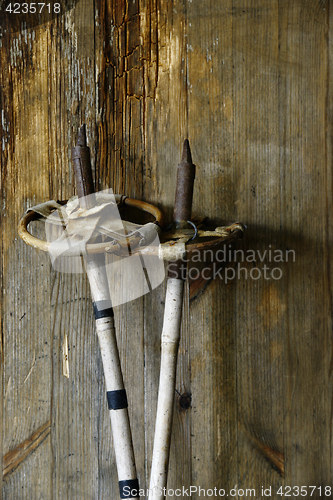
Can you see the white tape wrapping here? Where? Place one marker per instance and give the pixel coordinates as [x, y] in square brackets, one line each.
[171, 251]
[148, 233]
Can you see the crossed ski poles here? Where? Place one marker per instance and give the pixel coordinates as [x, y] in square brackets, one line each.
[94, 261]
[116, 394]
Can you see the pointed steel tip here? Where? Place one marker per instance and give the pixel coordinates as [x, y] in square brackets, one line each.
[186, 152]
[82, 139]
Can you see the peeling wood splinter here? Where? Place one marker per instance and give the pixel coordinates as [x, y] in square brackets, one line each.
[14, 458]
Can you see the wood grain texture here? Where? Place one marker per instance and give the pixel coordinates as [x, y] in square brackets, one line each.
[248, 82]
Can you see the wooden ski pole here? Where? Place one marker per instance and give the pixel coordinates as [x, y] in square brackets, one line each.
[116, 394]
[171, 334]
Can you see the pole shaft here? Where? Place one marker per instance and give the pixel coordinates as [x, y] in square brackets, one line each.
[116, 394]
[171, 335]
[166, 392]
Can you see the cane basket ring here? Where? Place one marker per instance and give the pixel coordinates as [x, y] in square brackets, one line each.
[118, 247]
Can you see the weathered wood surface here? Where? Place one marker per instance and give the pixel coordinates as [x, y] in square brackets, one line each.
[248, 82]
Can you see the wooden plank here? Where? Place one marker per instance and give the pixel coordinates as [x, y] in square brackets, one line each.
[58, 93]
[260, 304]
[304, 86]
[212, 316]
[27, 366]
[248, 83]
[75, 426]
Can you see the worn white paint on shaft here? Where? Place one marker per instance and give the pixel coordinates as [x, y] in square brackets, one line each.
[97, 279]
[166, 392]
[121, 431]
[110, 356]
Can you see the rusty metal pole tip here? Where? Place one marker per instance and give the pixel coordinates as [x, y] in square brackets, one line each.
[82, 138]
[186, 156]
[82, 170]
[184, 188]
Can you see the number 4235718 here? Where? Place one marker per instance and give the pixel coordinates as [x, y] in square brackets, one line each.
[304, 491]
[32, 8]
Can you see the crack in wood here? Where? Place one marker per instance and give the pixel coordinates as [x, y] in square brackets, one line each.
[14, 458]
[274, 457]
